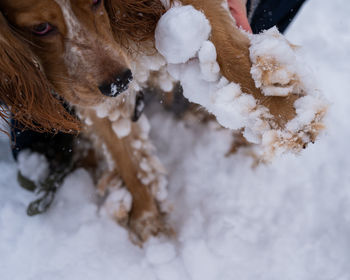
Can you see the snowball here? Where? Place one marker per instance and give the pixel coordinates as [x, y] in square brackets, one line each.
[118, 203]
[109, 159]
[180, 33]
[209, 67]
[145, 166]
[33, 165]
[207, 53]
[143, 66]
[210, 71]
[307, 108]
[144, 125]
[114, 115]
[227, 93]
[161, 192]
[195, 89]
[102, 110]
[122, 127]
[136, 144]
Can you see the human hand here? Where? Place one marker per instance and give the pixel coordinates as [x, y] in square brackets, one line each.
[239, 12]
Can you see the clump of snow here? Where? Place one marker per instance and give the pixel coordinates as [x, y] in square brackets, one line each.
[180, 33]
[210, 69]
[114, 115]
[103, 109]
[108, 157]
[33, 166]
[118, 203]
[143, 65]
[307, 108]
[160, 188]
[122, 127]
[144, 126]
[276, 70]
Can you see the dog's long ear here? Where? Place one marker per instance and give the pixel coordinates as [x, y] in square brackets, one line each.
[134, 20]
[25, 92]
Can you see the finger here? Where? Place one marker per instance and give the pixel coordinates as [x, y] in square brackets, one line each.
[239, 12]
[241, 20]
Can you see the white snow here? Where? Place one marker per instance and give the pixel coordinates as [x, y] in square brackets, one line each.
[33, 165]
[158, 253]
[287, 220]
[180, 33]
[122, 127]
[207, 57]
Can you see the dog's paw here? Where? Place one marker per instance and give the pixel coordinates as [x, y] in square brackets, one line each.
[295, 105]
[118, 201]
[143, 215]
[118, 205]
[274, 78]
[150, 223]
[276, 69]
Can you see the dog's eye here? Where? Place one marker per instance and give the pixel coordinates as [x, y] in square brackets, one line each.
[42, 29]
[96, 3]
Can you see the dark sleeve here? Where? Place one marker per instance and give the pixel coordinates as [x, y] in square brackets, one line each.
[265, 14]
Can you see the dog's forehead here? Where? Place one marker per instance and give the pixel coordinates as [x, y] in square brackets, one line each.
[71, 21]
[71, 3]
[27, 5]
[41, 6]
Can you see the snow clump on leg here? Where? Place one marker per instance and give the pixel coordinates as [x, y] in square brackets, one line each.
[182, 37]
[276, 68]
[33, 165]
[184, 26]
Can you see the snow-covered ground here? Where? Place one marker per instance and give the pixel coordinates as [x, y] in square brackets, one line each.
[286, 221]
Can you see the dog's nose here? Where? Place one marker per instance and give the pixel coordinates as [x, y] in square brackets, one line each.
[120, 84]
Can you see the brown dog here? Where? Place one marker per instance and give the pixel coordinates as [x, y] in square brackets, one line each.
[82, 52]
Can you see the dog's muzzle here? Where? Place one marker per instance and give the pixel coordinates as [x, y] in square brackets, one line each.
[119, 85]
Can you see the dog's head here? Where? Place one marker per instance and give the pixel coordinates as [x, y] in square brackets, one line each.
[72, 47]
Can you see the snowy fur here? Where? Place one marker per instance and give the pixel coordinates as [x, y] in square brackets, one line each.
[276, 69]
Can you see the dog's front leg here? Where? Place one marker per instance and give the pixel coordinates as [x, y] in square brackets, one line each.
[126, 144]
[233, 56]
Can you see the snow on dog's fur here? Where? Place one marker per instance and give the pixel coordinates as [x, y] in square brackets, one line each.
[84, 51]
[183, 37]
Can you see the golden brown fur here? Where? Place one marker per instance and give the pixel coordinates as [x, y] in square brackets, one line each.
[25, 89]
[134, 20]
